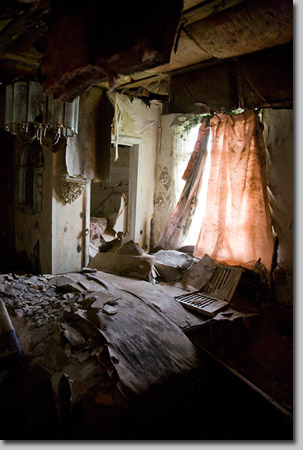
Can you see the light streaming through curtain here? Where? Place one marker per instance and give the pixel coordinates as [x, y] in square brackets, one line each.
[237, 225]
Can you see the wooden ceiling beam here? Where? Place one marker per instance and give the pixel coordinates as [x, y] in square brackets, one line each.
[20, 59]
[205, 8]
[20, 25]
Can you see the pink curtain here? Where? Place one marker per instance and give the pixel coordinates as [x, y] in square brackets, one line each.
[180, 219]
[237, 225]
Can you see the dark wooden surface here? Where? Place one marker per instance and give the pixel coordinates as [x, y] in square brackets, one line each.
[257, 347]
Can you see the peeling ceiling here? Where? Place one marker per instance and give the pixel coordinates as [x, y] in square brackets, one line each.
[208, 31]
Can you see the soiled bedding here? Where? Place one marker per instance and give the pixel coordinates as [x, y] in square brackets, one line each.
[114, 338]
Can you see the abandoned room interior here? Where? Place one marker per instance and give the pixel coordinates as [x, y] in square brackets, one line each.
[146, 272]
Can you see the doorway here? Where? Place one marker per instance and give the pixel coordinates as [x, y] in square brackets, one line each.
[114, 202]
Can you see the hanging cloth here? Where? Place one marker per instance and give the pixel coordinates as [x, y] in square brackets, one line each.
[180, 219]
[237, 224]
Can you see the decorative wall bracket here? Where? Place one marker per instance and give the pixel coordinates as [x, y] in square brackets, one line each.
[72, 187]
[159, 201]
[165, 178]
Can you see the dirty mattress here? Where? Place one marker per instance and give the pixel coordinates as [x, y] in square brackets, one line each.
[115, 338]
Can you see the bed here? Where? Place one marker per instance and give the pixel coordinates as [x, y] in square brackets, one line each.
[107, 357]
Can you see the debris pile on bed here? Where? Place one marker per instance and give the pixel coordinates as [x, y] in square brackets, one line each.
[105, 338]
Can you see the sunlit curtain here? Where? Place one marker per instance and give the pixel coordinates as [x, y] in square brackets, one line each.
[180, 219]
[237, 226]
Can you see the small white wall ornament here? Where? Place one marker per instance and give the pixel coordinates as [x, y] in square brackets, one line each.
[72, 187]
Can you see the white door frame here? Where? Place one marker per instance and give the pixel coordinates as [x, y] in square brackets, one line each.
[134, 181]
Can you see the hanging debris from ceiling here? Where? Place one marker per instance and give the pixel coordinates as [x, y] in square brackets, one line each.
[105, 39]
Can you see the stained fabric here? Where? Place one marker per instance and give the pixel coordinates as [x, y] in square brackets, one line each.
[180, 219]
[146, 348]
[237, 224]
[88, 153]
[142, 117]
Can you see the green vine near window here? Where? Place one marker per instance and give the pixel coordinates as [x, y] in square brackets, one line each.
[190, 122]
[234, 112]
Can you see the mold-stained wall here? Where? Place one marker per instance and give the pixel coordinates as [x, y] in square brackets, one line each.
[69, 223]
[52, 240]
